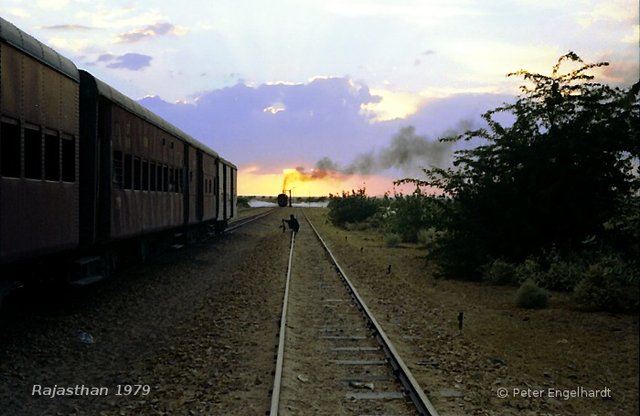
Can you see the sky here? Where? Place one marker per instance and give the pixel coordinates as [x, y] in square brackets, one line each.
[320, 96]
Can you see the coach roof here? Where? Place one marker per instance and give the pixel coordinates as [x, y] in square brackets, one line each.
[128, 104]
[36, 49]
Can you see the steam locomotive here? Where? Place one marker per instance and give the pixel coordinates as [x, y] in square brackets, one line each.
[87, 174]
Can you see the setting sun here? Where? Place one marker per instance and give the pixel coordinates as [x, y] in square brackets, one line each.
[314, 183]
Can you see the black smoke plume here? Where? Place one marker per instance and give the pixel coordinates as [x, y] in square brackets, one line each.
[407, 152]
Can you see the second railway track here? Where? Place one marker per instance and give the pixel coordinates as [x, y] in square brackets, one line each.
[333, 356]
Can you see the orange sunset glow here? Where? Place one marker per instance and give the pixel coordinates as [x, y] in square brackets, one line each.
[314, 183]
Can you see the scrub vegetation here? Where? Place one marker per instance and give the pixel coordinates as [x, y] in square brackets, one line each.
[549, 198]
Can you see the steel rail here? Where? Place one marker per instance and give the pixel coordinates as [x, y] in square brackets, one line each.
[277, 380]
[233, 226]
[415, 392]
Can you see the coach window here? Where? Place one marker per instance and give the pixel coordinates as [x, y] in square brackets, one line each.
[118, 174]
[159, 177]
[9, 149]
[137, 174]
[51, 156]
[172, 180]
[165, 179]
[145, 175]
[128, 172]
[153, 173]
[69, 159]
[32, 154]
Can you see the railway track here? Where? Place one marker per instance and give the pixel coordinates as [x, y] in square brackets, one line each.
[241, 222]
[333, 356]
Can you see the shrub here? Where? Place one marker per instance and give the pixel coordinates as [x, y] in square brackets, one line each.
[428, 236]
[531, 296]
[458, 258]
[500, 272]
[354, 207]
[243, 202]
[410, 214]
[529, 270]
[392, 239]
[357, 226]
[609, 284]
[563, 272]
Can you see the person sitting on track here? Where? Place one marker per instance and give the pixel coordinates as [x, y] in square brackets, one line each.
[293, 224]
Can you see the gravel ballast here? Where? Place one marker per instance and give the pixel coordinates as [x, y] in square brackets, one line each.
[197, 331]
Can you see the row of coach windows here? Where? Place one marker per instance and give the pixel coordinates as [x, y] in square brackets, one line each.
[134, 173]
[33, 153]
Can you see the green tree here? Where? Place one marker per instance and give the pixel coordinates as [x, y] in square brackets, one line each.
[409, 214]
[552, 177]
[351, 207]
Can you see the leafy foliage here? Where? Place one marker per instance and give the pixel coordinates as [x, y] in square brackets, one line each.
[351, 207]
[531, 296]
[392, 239]
[243, 202]
[555, 177]
[500, 272]
[408, 215]
[609, 284]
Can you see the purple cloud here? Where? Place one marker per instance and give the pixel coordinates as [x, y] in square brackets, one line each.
[281, 124]
[131, 61]
[106, 57]
[69, 27]
[158, 29]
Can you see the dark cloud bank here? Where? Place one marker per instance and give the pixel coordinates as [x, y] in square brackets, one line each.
[321, 124]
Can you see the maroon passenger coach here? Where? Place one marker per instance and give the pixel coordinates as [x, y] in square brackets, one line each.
[87, 173]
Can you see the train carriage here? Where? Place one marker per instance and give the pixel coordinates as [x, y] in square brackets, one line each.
[86, 172]
[154, 176]
[39, 133]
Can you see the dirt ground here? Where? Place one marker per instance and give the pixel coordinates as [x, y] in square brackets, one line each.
[198, 329]
[537, 359]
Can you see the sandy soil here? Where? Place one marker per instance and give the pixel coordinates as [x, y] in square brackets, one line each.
[500, 346]
[199, 326]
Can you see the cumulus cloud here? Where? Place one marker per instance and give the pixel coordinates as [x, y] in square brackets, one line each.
[130, 61]
[275, 108]
[150, 31]
[285, 125]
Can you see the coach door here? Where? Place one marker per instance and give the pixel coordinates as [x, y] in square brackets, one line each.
[186, 184]
[199, 187]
